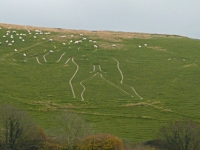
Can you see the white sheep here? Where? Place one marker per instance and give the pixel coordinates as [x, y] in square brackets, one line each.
[4, 36]
[145, 44]
[24, 34]
[84, 39]
[95, 42]
[72, 35]
[51, 51]
[139, 46]
[15, 50]
[63, 36]
[64, 43]
[81, 34]
[24, 55]
[17, 34]
[113, 45]
[9, 44]
[80, 41]
[0, 28]
[12, 41]
[20, 37]
[34, 37]
[23, 40]
[43, 38]
[0, 43]
[76, 42]
[70, 41]
[95, 46]
[6, 41]
[50, 40]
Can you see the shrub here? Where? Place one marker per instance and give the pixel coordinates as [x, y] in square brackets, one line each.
[100, 142]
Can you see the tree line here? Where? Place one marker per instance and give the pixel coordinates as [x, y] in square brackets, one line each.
[20, 132]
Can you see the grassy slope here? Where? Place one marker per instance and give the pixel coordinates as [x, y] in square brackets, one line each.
[169, 88]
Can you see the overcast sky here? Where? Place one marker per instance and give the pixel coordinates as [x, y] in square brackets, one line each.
[180, 17]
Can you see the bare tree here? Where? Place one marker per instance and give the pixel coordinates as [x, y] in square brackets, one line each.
[73, 128]
[181, 135]
[18, 131]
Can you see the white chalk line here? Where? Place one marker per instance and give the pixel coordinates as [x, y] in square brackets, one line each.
[93, 68]
[38, 60]
[136, 92]
[70, 81]
[84, 86]
[122, 79]
[100, 68]
[119, 70]
[44, 57]
[60, 57]
[67, 61]
[115, 85]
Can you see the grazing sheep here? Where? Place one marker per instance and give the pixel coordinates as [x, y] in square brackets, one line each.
[51, 51]
[24, 55]
[54, 46]
[95, 42]
[12, 41]
[145, 44]
[64, 43]
[71, 41]
[30, 33]
[34, 37]
[63, 36]
[81, 34]
[23, 40]
[9, 44]
[95, 46]
[6, 41]
[4, 36]
[139, 46]
[50, 40]
[76, 42]
[15, 50]
[72, 35]
[113, 45]
[43, 38]
[20, 37]
[0, 43]
[80, 41]
[0, 28]
[14, 31]
[17, 34]
[24, 34]
[84, 39]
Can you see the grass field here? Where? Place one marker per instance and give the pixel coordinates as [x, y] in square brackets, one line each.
[126, 90]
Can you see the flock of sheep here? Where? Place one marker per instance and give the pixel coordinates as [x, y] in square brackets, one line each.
[10, 35]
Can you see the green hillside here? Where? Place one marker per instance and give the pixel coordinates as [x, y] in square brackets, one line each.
[128, 89]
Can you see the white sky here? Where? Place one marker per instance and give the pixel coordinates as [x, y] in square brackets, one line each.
[180, 17]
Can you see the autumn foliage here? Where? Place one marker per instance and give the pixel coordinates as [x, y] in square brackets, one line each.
[100, 142]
